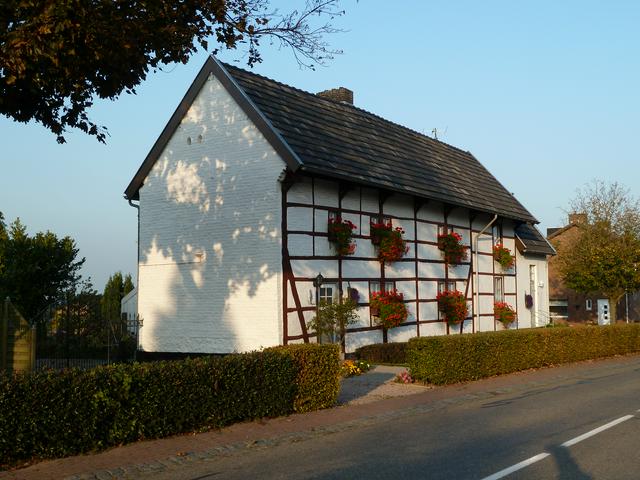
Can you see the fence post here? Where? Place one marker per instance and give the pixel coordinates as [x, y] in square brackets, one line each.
[4, 338]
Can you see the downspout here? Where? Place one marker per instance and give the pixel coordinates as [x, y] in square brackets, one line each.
[137, 207]
[476, 290]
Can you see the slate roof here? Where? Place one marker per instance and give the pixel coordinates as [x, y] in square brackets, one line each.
[341, 141]
[533, 241]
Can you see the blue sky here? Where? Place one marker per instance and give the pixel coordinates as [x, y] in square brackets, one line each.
[544, 94]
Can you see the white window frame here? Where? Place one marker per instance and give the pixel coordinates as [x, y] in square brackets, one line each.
[498, 289]
[588, 304]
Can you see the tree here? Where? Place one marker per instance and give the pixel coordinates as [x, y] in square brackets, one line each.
[333, 319]
[57, 56]
[114, 291]
[36, 270]
[606, 255]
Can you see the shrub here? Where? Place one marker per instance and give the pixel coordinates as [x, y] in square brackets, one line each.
[459, 358]
[383, 353]
[317, 380]
[51, 414]
[389, 308]
[453, 306]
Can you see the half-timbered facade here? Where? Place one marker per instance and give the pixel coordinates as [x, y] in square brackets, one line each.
[234, 202]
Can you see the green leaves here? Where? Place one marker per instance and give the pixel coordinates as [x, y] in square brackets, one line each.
[111, 405]
[34, 270]
[57, 57]
[460, 358]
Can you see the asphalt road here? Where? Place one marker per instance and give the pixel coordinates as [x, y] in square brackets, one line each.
[596, 412]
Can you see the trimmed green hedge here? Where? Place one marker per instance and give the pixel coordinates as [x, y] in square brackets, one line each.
[55, 414]
[458, 358]
[383, 353]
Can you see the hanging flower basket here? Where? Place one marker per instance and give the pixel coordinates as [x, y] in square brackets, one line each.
[451, 245]
[453, 305]
[390, 308]
[391, 245]
[504, 313]
[503, 256]
[340, 234]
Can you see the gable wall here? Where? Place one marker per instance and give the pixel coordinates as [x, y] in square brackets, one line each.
[210, 235]
[309, 202]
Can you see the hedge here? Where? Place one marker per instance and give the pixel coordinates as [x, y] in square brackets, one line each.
[54, 414]
[383, 353]
[458, 358]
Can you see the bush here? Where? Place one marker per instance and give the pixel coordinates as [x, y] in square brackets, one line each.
[458, 358]
[318, 375]
[54, 414]
[383, 353]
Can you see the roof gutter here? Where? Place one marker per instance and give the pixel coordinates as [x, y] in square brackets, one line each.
[476, 290]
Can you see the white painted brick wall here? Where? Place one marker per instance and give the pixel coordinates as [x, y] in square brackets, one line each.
[210, 241]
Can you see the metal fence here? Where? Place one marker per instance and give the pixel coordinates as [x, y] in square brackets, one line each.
[72, 333]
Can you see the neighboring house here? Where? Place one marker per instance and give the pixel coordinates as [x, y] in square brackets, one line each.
[234, 201]
[567, 304]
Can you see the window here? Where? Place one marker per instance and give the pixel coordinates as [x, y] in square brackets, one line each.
[588, 304]
[374, 286]
[327, 293]
[497, 234]
[448, 286]
[498, 289]
[558, 309]
[380, 219]
[442, 229]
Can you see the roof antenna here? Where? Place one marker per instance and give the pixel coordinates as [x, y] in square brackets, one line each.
[435, 133]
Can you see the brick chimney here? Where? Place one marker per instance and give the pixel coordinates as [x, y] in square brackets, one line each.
[577, 218]
[339, 94]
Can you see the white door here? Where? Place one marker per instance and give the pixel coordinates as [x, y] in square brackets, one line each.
[603, 312]
[533, 291]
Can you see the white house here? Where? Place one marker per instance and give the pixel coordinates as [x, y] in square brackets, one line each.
[234, 200]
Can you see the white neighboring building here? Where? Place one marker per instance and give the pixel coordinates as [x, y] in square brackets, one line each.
[129, 309]
[234, 200]
[532, 252]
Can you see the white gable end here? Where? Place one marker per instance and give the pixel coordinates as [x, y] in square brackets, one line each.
[210, 240]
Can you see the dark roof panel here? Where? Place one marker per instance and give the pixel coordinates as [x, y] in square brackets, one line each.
[533, 240]
[340, 140]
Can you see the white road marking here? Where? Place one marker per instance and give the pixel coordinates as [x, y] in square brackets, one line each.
[595, 431]
[567, 444]
[516, 467]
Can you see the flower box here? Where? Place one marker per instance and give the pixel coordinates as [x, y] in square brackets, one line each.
[390, 308]
[504, 313]
[340, 234]
[391, 245]
[453, 305]
[451, 246]
[503, 256]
